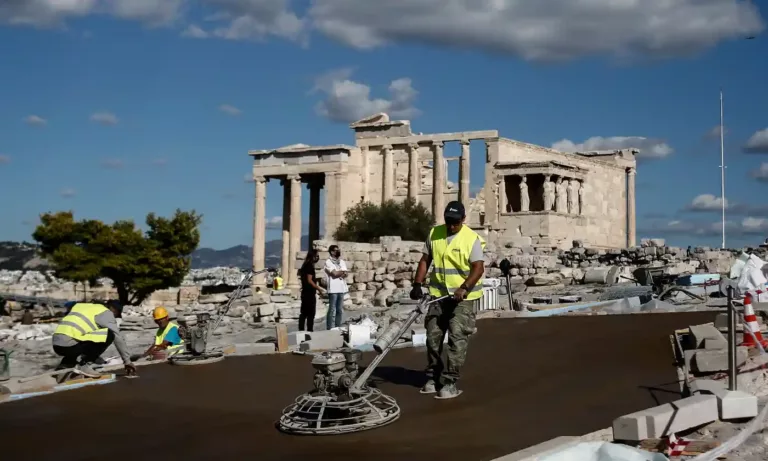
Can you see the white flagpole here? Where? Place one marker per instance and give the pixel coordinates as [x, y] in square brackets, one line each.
[722, 164]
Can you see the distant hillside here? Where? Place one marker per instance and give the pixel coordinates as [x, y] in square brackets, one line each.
[22, 256]
[241, 255]
[16, 256]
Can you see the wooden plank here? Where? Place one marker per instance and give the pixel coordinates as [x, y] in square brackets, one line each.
[281, 332]
[696, 447]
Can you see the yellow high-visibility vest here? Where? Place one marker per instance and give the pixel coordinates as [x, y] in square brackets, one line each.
[451, 261]
[160, 337]
[80, 323]
[278, 283]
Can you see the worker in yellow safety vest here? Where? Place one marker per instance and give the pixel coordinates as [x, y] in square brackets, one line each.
[168, 339]
[86, 332]
[277, 283]
[456, 254]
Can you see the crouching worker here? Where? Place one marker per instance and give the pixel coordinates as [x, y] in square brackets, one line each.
[86, 332]
[167, 339]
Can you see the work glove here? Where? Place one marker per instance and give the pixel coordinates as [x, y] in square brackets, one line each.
[416, 293]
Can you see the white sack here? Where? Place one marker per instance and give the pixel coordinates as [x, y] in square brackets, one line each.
[603, 451]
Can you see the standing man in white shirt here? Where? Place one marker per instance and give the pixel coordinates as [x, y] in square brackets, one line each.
[336, 269]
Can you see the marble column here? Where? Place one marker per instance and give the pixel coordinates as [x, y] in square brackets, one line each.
[631, 222]
[286, 248]
[366, 171]
[464, 173]
[259, 229]
[414, 175]
[501, 187]
[389, 174]
[314, 211]
[438, 181]
[295, 230]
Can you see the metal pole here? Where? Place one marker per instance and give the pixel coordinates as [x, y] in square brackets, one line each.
[722, 164]
[731, 341]
[509, 294]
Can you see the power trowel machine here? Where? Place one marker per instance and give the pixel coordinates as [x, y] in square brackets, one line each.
[196, 333]
[342, 400]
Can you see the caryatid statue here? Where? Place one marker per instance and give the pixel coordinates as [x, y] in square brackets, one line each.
[525, 200]
[549, 193]
[573, 196]
[581, 197]
[561, 197]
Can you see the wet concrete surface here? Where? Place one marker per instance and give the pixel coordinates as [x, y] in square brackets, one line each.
[525, 381]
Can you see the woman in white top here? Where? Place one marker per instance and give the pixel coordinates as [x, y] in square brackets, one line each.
[336, 269]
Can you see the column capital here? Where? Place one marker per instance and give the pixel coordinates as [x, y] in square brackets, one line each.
[413, 146]
[259, 179]
[364, 148]
[438, 144]
[294, 177]
[386, 147]
[464, 142]
[631, 171]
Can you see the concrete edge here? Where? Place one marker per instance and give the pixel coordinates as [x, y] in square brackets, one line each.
[59, 388]
[534, 452]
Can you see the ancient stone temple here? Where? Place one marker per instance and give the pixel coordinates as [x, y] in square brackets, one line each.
[532, 195]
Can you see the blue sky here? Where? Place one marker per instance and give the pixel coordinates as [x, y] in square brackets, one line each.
[115, 109]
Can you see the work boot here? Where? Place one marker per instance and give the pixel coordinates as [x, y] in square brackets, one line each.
[429, 388]
[85, 369]
[448, 391]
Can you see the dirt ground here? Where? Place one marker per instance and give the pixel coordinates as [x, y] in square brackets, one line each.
[526, 381]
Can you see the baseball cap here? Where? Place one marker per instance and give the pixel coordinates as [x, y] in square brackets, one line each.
[454, 211]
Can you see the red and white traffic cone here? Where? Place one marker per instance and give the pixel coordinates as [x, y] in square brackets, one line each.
[750, 324]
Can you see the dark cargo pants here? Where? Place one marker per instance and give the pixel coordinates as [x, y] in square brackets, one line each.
[458, 320]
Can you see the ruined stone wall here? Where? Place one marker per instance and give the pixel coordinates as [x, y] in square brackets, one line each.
[380, 273]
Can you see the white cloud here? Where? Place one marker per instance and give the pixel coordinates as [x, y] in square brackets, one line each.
[541, 30]
[707, 202]
[231, 110]
[43, 13]
[151, 12]
[714, 132]
[35, 120]
[112, 164]
[647, 148]
[159, 161]
[761, 173]
[194, 31]
[67, 192]
[275, 222]
[532, 30]
[252, 20]
[248, 177]
[54, 13]
[4, 159]
[757, 143]
[104, 118]
[752, 225]
[347, 100]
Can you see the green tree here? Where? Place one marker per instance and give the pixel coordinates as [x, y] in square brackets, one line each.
[366, 222]
[137, 263]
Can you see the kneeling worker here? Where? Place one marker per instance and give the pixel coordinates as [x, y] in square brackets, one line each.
[86, 332]
[167, 339]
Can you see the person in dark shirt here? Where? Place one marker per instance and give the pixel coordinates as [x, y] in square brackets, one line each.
[309, 290]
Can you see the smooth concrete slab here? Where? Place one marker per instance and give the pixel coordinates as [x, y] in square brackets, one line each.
[526, 381]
